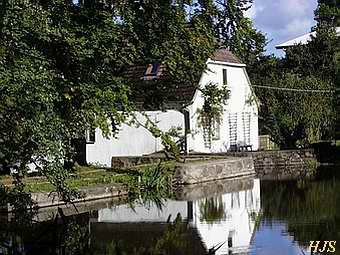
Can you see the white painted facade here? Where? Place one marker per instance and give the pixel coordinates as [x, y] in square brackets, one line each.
[133, 141]
[240, 93]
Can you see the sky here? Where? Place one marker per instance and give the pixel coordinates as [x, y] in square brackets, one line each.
[282, 20]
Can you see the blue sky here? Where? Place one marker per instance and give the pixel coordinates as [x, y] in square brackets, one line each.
[282, 20]
[274, 239]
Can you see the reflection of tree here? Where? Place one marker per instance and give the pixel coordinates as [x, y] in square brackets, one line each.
[62, 235]
[311, 210]
[212, 210]
[176, 238]
[72, 236]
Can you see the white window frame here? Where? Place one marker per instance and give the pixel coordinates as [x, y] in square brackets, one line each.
[90, 136]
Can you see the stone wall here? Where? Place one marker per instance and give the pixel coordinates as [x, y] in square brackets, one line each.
[127, 162]
[285, 164]
[211, 170]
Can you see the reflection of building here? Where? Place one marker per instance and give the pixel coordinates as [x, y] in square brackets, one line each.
[226, 220]
[235, 229]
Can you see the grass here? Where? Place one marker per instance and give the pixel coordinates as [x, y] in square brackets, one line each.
[87, 176]
[82, 177]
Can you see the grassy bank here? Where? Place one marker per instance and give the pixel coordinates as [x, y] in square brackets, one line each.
[91, 176]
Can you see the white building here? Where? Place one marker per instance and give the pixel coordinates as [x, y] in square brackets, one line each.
[304, 39]
[238, 126]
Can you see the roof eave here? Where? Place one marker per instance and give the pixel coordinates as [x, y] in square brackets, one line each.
[216, 62]
[282, 47]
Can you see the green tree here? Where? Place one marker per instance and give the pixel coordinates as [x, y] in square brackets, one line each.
[57, 81]
[237, 32]
[328, 12]
[293, 114]
[297, 116]
[62, 72]
[63, 63]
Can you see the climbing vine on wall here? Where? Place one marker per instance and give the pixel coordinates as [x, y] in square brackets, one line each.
[212, 110]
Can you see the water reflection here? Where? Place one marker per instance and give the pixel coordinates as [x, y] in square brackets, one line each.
[302, 211]
[221, 224]
[233, 228]
[230, 217]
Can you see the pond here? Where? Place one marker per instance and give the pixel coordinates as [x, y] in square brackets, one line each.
[245, 216]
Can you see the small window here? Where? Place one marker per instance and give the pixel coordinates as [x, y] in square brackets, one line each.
[215, 129]
[187, 122]
[151, 72]
[230, 242]
[225, 77]
[90, 136]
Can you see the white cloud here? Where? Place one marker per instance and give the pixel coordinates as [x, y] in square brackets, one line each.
[283, 20]
[299, 26]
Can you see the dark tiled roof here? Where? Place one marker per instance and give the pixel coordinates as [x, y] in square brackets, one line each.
[225, 55]
[149, 89]
[146, 72]
[151, 97]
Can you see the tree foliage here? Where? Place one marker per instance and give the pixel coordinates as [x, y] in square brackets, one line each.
[58, 78]
[234, 30]
[62, 67]
[328, 12]
[237, 31]
[304, 111]
[297, 118]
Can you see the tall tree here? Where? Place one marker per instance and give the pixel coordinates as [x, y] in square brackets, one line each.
[58, 78]
[328, 12]
[297, 100]
[61, 71]
[165, 33]
[237, 32]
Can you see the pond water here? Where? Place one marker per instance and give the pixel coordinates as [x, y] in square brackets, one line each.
[247, 216]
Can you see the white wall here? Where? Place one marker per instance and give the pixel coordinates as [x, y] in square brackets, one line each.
[240, 92]
[132, 141]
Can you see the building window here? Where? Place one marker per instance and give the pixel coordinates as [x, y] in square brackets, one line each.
[187, 122]
[215, 128]
[152, 72]
[90, 136]
[225, 77]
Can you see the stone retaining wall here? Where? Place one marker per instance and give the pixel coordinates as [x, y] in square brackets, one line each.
[211, 170]
[127, 162]
[285, 164]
